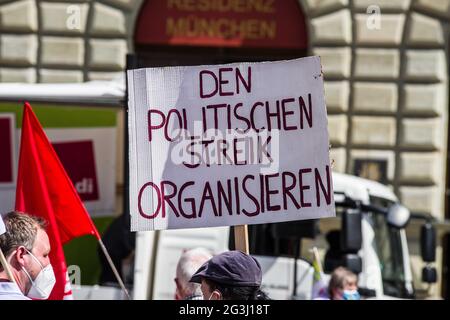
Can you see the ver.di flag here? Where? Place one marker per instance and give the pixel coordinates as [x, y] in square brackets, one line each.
[45, 190]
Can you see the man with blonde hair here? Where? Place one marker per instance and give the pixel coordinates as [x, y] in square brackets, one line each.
[26, 247]
[190, 261]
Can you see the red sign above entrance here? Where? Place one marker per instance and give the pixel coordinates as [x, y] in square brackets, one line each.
[226, 23]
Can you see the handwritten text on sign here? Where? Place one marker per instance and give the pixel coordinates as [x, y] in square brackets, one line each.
[228, 145]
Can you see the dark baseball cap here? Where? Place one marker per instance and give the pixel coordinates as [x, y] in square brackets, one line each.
[231, 268]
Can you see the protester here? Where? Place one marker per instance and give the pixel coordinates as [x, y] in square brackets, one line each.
[26, 247]
[120, 243]
[189, 262]
[232, 275]
[343, 285]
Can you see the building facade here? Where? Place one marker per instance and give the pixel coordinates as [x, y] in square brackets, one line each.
[385, 64]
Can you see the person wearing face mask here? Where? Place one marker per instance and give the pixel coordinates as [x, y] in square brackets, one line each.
[26, 247]
[231, 275]
[343, 285]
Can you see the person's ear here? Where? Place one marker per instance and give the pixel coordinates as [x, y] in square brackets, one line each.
[216, 295]
[178, 290]
[177, 283]
[18, 256]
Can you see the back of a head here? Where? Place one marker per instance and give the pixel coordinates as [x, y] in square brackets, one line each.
[231, 292]
[21, 230]
[189, 262]
[235, 274]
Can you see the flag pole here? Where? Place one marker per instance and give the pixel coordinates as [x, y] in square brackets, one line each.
[113, 267]
[317, 258]
[5, 265]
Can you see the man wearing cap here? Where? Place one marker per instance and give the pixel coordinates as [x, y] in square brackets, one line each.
[232, 275]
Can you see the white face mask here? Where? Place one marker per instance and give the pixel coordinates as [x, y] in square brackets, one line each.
[43, 284]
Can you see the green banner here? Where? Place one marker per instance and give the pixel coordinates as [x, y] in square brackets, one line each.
[62, 116]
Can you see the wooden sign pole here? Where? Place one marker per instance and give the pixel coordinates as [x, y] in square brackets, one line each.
[241, 238]
[6, 267]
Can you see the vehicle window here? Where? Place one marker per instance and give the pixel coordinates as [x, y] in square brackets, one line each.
[389, 250]
[278, 239]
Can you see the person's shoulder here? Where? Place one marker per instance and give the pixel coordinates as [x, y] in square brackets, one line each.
[10, 291]
[13, 297]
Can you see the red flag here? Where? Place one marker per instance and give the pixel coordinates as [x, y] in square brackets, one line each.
[45, 190]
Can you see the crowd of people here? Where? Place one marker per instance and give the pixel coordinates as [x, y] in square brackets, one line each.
[234, 275]
[200, 275]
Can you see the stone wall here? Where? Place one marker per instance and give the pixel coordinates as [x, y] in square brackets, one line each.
[64, 41]
[386, 91]
[386, 88]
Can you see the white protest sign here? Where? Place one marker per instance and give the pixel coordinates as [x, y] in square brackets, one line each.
[224, 145]
[2, 226]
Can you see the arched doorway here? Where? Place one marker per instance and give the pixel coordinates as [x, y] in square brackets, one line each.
[186, 32]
